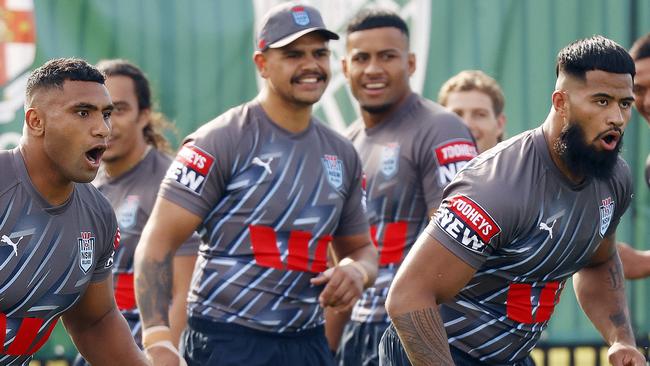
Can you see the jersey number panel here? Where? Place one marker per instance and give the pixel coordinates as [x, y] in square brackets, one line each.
[23, 343]
[265, 249]
[519, 303]
[392, 250]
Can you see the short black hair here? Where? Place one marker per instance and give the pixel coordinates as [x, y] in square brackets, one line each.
[641, 48]
[120, 67]
[371, 18]
[55, 72]
[594, 53]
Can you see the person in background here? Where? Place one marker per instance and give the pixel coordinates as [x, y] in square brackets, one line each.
[410, 147]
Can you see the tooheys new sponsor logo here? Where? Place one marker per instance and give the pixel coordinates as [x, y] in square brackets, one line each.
[190, 168]
[452, 157]
[466, 222]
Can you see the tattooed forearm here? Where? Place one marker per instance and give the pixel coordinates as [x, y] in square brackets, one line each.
[154, 290]
[615, 274]
[619, 319]
[423, 337]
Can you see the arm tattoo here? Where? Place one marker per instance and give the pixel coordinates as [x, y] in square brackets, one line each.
[615, 274]
[154, 289]
[423, 337]
[619, 319]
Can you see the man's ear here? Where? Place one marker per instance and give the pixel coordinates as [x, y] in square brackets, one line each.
[34, 122]
[411, 62]
[259, 58]
[144, 117]
[344, 66]
[560, 100]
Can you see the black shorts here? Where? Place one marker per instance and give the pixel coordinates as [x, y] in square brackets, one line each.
[360, 343]
[391, 353]
[205, 342]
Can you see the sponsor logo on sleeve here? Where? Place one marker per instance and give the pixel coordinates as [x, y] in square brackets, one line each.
[334, 170]
[606, 214]
[452, 156]
[191, 168]
[86, 250]
[466, 222]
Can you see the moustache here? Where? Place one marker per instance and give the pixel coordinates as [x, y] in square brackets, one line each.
[319, 77]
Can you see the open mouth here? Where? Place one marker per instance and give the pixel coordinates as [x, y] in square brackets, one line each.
[610, 139]
[94, 155]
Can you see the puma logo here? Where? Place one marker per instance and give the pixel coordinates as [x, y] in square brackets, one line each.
[7, 240]
[543, 226]
[264, 164]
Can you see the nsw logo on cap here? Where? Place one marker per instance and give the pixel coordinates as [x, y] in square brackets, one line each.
[300, 16]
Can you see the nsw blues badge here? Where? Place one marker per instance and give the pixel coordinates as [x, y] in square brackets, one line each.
[333, 170]
[300, 16]
[606, 213]
[390, 160]
[127, 213]
[86, 250]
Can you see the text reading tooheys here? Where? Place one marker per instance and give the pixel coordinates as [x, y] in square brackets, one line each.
[190, 168]
[466, 222]
[452, 157]
[86, 250]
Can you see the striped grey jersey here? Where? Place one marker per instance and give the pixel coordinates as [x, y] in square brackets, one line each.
[132, 196]
[271, 201]
[513, 216]
[408, 159]
[48, 256]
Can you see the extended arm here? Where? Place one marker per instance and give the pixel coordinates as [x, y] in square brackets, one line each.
[356, 270]
[429, 275]
[600, 289]
[183, 269]
[636, 263]
[168, 227]
[98, 329]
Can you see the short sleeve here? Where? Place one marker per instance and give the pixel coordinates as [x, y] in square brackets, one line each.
[196, 179]
[353, 219]
[442, 154]
[474, 218]
[111, 241]
[624, 191]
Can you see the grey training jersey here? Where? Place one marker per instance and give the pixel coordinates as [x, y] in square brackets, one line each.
[408, 159]
[513, 216]
[132, 196]
[271, 201]
[48, 256]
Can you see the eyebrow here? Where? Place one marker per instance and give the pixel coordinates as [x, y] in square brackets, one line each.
[92, 107]
[605, 95]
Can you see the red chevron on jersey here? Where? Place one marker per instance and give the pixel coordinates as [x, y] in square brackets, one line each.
[455, 151]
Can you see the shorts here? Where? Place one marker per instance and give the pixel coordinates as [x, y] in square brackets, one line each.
[206, 342]
[391, 353]
[360, 343]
